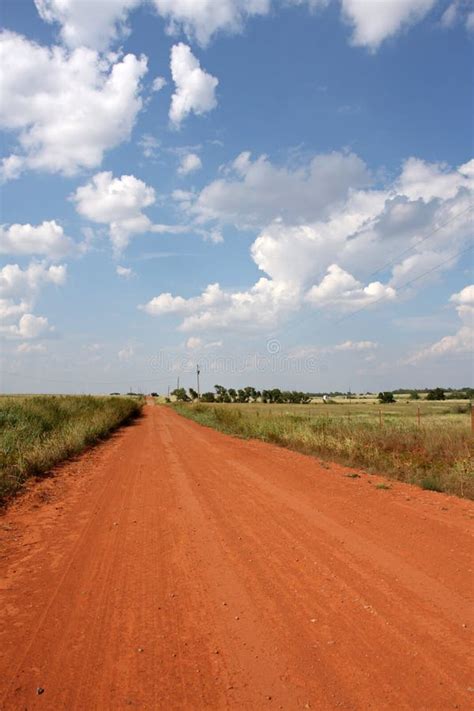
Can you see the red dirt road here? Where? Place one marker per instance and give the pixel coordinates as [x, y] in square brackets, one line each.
[174, 567]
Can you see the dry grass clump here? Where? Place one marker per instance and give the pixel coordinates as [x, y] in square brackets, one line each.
[439, 455]
[39, 431]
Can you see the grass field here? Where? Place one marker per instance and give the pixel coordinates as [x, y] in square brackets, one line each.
[436, 454]
[39, 431]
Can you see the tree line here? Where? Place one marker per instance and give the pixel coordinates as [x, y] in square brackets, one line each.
[243, 395]
[297, 397]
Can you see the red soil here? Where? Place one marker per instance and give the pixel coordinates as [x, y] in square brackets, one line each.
[174, 567]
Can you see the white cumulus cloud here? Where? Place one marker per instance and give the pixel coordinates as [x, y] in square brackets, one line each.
[201, 19]
[47, 239]
[257, 191]
[66, 109]
[462, 341]
[19, 290]
[374, 21]
[118, 203]
[84, 24]
[189, 163]
[194, 88]
[30, 327]
[327, 239]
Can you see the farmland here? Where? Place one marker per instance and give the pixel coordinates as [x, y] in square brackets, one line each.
[420, 442]
[38, 431]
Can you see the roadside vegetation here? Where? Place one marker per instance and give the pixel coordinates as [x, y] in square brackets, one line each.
[418, 440]
[38, 431]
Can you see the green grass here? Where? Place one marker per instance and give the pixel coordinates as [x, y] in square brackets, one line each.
[437, 455]
[38, 431]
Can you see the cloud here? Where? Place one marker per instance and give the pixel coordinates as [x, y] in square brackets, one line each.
[125, 272]
[460, 342]
[82, 27]
[195, 343]
[426, 181]
[458, 12]
[47, 239]
[201, 20]
[158, 84]
[341, 289]
[66, 109]
[149, 145]
[328, 234]
[26, 283]
[19, 290]
[194, 88]
[126, 353]
[107, 23]
[189, 163]
[257, 191]
[118, 203]
[30, 327]
[31, 348]
[356, 346]
[372, 24]
[347, 346]
[263, 305]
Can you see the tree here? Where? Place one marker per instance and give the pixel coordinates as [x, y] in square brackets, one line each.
[221, 392]
[414, 395]
[232, 394]
[208, 397]
[386, 397]
[180, 394]
[275, 395]
[193, 394]
[436, 394]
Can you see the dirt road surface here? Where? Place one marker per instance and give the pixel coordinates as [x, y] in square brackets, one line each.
[174, 567]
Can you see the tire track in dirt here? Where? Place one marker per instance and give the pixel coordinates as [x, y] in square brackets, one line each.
[174, 567]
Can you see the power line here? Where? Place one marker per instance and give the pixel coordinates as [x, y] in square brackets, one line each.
[406, 251]
[407, 284]
[423, 239]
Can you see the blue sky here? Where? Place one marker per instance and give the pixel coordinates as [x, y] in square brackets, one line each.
[280, 191]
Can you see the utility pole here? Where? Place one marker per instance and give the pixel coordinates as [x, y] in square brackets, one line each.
[197, 376]
[177, 384]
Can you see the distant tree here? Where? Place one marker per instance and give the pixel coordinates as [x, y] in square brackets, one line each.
[276, 395]
[180, 394]
[436, 394]
[414, 395]
[232, 394]
[208, 397]
[221, 392]
[386, 398]
[154, 394]
[193, 394]
[250, 394]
